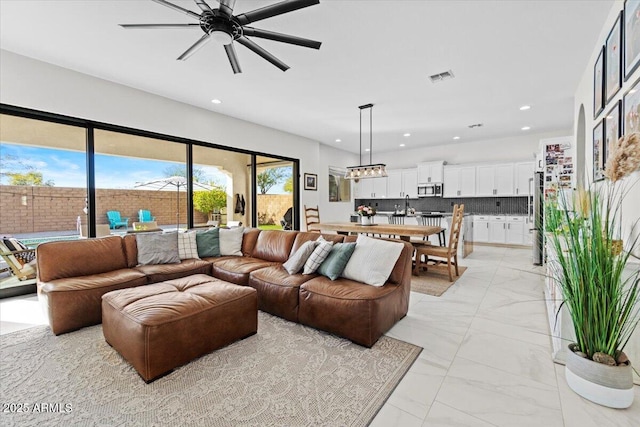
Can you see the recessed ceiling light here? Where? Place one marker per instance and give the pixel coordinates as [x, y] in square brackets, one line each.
[402, 145]
[407, 134]
[216, 101]
[456, 137]
[525, 107]
[526, 127]
[338, 140]
[366, 149]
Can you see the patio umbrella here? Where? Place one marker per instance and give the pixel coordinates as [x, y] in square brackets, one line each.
[177, 182]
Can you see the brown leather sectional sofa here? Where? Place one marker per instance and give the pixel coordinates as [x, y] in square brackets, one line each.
[73, 276]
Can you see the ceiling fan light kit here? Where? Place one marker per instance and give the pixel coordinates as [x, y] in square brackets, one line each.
[223, 27]
[371, 170]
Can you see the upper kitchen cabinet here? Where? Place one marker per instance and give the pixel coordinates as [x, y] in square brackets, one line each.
[371, 188]
[524, 173]
[429, 172]
[495, 180]
[459, 181]
[402, 183]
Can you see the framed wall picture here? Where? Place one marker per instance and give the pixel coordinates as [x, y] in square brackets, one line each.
[339, 187]
[598, 84]
[631, 36]
[311, 181]
[598, 141]
[631, 110]
[613, 60]
[612, 130]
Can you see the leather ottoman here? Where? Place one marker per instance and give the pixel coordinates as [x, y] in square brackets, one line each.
[159, 327]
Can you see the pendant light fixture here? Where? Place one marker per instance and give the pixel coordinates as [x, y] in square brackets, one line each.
[366, 171]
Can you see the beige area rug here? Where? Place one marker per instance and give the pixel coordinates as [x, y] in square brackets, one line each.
[285, 375]
[434, 281]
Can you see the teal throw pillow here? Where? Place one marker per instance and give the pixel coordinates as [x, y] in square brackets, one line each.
[337, 260]
[208, 243]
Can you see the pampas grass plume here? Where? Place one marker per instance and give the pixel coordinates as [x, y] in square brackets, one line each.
[624, 157]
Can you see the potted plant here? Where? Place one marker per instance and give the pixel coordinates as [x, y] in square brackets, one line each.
[366, 212]
[602, 298]
[211, 201]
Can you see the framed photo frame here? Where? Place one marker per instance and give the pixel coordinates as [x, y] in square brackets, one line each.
[631, 37]
[598, 84]
[598, 143]
[311, 181]
[631, 110]
[613, 60]
[612, 130]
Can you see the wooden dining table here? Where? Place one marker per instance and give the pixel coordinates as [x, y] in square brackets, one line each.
[404, 231]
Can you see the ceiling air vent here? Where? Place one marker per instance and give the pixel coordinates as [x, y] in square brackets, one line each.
[441, 76]
[477, 125]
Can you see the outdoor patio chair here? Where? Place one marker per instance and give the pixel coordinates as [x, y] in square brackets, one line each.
[116, 221]
[20, 259]
[287, 220]
[145, 216]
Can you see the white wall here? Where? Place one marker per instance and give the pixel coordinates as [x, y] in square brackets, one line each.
[584, 96]
[516, 148]
[41, 86]
[330, 156]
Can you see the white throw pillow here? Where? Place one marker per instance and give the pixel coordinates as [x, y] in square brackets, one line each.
[320, 253]
[372, 261]
[296, 261]
[187, 246]
[231, 241]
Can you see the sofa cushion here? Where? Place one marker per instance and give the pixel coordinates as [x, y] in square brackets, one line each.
[334, 265]
[304, 236]
[208, 243]
[236, 269]
[320, 253]
[296, 261]
[274, 245]
[157, 248]
[231, 241]
[187, 247]
[278, 291]
[160, 272]
[372, 261]
[58, 260]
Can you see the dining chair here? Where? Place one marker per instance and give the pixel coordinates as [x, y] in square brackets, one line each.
[440, 254]
[435, 221]
[395, 220]
[312, 218]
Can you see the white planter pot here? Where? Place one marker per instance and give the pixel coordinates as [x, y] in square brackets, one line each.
[366, 220]
[605, 385]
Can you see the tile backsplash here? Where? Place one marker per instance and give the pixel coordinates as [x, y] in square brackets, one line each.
[472, 205]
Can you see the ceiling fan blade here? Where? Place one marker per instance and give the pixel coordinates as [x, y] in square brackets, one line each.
[153, 26]
[260, 51]
[178, 8]
[203, 6]
[233, 59]
[226, 6]
[279, 37]
[274, 10]
[197, 45]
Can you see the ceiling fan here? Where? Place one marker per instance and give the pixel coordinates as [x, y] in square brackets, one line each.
[221, 25]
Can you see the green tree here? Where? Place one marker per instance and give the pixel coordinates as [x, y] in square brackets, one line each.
[288, 185]
[271, 177]
[209, 201]
[181, 170]
[31, 178]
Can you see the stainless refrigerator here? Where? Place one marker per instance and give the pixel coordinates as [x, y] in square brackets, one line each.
[536, 217]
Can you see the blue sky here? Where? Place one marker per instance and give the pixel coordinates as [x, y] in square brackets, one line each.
[68, 169]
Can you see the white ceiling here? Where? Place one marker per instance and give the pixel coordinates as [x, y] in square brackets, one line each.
[503, 53]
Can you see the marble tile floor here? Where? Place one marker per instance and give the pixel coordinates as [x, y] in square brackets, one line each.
[486, 358]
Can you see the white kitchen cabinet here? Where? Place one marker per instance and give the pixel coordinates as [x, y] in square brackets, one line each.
[523, 173]
[495, 180]
[480, 228]
[516, 230]
[497, 229]
[371, 188]
[402, 183]
[459, 181]
[429, 172]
